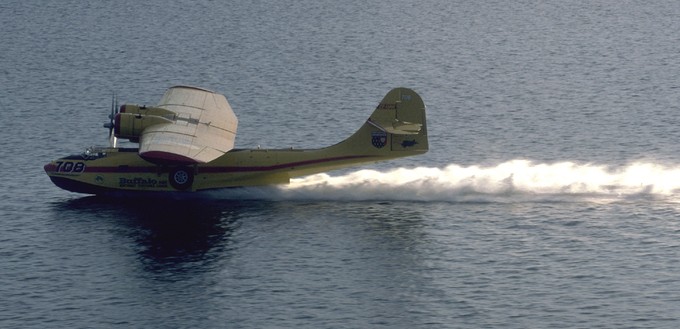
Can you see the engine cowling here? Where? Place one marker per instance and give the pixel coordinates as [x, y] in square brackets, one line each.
[130, 125]
[132, 119]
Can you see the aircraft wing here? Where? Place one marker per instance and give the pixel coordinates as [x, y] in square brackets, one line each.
[202, 129]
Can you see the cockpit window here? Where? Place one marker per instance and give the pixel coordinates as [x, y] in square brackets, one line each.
[92, 153]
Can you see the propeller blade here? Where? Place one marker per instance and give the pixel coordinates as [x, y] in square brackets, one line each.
[113, 141]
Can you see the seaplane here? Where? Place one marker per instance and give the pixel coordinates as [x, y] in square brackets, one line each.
[186, 144]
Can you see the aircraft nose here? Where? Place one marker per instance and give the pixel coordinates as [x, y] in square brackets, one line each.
[49, 168]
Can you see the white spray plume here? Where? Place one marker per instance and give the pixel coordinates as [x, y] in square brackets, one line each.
[517, 180]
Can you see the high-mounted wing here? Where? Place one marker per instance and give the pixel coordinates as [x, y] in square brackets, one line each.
[200, 127]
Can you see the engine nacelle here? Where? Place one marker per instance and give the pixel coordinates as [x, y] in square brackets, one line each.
[131, 125]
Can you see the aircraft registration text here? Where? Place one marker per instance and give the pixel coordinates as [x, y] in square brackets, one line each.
[70, 167]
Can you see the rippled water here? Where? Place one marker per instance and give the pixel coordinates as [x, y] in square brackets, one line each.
[549, 197]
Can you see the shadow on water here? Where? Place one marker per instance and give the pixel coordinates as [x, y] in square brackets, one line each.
[168, 235]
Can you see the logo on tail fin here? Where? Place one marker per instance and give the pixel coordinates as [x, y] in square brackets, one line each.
[379, 139]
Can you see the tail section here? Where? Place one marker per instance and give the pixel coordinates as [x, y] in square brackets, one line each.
[397, 128]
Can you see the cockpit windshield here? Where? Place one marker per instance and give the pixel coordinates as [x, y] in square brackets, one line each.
[94, 152]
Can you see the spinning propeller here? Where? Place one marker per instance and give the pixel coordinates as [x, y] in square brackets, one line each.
[113, 140]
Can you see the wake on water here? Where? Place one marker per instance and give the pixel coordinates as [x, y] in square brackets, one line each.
[513, 181]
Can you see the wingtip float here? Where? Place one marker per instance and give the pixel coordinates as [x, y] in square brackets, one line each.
[186, 143]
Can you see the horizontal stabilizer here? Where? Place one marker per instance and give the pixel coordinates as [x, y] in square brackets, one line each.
[399, 127]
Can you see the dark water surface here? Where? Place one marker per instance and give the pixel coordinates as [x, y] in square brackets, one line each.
[549, 197]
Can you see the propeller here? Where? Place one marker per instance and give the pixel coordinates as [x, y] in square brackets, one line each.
[113, 140]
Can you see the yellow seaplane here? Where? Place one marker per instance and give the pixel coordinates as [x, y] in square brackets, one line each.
[186, 143]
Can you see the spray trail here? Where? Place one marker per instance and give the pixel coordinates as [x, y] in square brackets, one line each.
[517, 180]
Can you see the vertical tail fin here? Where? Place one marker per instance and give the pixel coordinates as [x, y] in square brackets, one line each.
[397, 128]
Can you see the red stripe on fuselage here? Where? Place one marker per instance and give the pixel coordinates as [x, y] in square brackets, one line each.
[216, 169]
[278, 166]
[121, 169]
